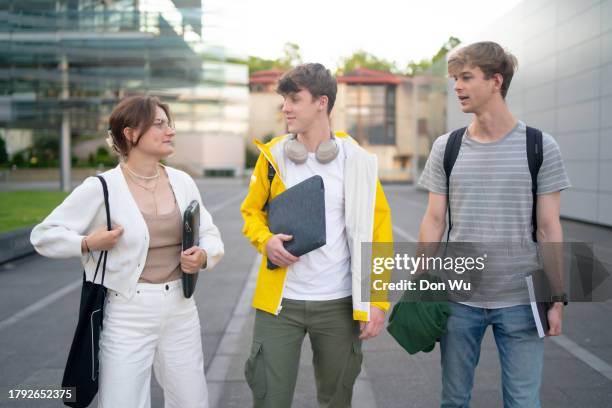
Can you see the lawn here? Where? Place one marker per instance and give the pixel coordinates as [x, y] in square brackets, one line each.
[24, 208]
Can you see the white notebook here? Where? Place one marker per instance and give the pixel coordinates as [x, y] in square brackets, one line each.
[538, 309]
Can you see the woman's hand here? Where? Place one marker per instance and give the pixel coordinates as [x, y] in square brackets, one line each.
[102, 239]
[193, 259]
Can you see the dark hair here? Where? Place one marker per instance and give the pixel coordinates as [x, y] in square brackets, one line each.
[317, 79]
[136, 112]
[490, 57]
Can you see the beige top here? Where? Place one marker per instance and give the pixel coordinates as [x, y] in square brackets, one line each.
[165, 245]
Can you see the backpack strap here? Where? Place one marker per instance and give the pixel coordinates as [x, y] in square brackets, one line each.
[271, 174]
[535, 156]
[453, 144]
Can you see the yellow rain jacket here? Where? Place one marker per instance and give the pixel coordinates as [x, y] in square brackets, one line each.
[364, 200]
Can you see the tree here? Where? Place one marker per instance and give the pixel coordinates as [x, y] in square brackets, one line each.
[260, 64]
[291, 58]
[363, 59]
[451, 43]
[415, 68]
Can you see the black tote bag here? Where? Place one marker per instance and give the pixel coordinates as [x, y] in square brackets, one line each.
[82, 367]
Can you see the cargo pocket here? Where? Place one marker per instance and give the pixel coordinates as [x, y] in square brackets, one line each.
[353, 365]
[255, 371]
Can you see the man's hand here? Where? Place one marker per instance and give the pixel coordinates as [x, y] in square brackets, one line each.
[192, 259]
[277, 253]
[372, 328]
[555, 319]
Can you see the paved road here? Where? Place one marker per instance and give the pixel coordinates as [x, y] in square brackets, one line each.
[39, 300]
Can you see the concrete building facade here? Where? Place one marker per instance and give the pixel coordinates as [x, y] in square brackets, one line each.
[265, 116]
[563, 86]
[374, 107]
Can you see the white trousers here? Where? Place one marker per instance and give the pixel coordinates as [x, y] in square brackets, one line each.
[157, 328]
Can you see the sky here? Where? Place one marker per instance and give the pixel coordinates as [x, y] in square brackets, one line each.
[329, 30]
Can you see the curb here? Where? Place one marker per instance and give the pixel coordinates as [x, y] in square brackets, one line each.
[15, 244]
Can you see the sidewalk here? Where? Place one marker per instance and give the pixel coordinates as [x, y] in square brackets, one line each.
[34, 344]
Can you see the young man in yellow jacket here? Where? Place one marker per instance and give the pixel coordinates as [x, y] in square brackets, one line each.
[319, 293]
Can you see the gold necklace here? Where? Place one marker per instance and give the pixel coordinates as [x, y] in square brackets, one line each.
[149, 189]
[133, 173]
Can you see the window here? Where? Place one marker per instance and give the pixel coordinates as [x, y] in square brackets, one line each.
[371, 113]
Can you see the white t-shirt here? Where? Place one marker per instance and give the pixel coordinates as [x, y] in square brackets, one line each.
[323, 274]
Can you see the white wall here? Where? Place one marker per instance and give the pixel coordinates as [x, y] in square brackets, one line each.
[212, 122]
[564, 87]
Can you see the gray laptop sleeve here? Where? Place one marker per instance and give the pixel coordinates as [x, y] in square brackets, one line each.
[300, 211]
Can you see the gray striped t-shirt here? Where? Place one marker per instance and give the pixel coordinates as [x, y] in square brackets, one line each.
[490, 200]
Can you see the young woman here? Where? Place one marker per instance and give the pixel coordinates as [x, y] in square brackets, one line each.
[147, 320]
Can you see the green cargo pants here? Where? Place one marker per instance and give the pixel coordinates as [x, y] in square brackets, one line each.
[272, 368]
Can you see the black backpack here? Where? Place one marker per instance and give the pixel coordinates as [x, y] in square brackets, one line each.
[271, 174]
[535, 155]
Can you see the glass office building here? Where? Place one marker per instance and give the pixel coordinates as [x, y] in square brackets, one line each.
[65, 63]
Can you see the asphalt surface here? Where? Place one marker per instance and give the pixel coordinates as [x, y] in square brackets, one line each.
[39, 302]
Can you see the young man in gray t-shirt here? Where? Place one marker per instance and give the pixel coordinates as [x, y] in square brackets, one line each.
[491, 202]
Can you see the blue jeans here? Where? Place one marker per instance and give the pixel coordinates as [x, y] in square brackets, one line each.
[521, 354]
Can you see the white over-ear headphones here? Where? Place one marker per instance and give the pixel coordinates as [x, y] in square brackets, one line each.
[326, 152]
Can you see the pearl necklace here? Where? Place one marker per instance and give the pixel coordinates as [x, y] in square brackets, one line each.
[151, 190]
[142, 177]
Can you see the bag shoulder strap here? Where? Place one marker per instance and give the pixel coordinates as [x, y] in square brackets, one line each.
[535, 157]
[106, 205]
[453, 144]
[108, 227]
[271, 174]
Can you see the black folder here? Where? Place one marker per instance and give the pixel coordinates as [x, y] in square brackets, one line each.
[191, 237]
[299, 211]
